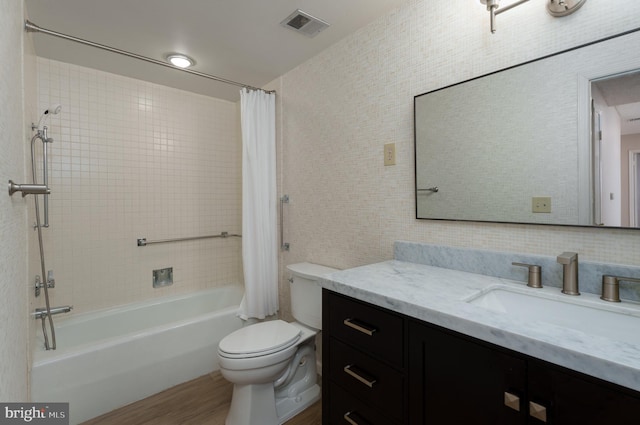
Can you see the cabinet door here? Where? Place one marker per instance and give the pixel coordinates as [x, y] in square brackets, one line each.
[572, 398]
[454, 380]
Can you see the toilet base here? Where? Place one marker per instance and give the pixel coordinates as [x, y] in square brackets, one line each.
[252, 405]
[288, 407]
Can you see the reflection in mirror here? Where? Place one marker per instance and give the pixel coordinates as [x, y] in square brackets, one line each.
[616, 147]
[517, 146]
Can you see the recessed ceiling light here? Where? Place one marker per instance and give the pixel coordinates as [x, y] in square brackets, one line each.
[180, 60]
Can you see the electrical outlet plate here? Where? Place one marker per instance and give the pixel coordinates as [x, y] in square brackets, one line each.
[541, 204]
[390, 154]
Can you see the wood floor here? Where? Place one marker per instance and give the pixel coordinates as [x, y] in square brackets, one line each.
[203, 401]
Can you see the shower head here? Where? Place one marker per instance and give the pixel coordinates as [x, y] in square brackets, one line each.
[52, 110]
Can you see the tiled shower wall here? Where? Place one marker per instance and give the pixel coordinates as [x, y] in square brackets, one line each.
[133, 159]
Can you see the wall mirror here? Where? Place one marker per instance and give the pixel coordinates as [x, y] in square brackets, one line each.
[551, 141]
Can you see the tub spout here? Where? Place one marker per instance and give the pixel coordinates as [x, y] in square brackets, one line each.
[42, 312]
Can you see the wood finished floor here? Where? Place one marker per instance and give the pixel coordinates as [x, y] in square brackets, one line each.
[203, 401]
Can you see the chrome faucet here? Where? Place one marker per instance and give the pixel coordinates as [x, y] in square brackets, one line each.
[569, 261]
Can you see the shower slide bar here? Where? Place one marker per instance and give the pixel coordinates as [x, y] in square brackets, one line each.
[31, 27]
[145, 242]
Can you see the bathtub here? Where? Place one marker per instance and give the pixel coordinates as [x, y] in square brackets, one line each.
[110, 358]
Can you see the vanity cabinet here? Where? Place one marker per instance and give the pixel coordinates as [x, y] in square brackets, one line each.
[381, 367]
[364, 363]
[455, 381]
[458, 379]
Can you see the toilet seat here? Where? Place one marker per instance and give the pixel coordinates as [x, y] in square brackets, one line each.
[260, 339]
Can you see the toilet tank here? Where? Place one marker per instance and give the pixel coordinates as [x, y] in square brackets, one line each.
[306, 292]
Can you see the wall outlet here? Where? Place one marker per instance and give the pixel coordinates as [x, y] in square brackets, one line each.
[390, 154]
[541, 204]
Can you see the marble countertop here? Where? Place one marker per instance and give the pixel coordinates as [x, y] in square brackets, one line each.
[438, 295]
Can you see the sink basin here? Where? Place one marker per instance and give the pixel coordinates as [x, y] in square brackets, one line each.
[587, 314]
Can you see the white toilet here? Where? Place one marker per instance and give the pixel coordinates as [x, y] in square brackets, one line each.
[273, 364]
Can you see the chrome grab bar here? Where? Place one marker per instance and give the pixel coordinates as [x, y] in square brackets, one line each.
[284, 246]
[145, 242]
[41, 313]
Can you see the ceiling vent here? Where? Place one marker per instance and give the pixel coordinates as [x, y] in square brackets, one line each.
[304, 23]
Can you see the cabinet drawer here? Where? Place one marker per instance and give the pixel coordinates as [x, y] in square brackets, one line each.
[367, 379]
[348, 410]
[375, 331]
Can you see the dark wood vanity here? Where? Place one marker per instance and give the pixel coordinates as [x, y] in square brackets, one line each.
[382, 367]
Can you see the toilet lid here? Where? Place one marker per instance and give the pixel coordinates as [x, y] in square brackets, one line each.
[260, 339]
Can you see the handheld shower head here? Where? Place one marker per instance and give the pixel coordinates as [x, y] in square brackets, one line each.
[52, 110]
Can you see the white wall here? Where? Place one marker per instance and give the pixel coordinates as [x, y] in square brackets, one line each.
[338, 110]
[14, 331]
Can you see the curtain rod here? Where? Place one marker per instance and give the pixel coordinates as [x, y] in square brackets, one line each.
[31, 27]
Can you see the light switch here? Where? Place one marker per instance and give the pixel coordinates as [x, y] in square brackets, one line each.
[390, 154]
[541, 204]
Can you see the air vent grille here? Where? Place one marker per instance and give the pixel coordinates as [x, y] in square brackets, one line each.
[298, 21]
[304, 23]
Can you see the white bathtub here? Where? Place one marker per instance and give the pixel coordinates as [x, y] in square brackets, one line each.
[107, 359]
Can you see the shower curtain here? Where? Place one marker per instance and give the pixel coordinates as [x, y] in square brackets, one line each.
[259, 204]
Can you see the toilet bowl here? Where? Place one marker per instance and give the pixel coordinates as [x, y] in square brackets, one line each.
[272, 364]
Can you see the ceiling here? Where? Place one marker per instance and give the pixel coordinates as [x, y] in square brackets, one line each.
[238, 40]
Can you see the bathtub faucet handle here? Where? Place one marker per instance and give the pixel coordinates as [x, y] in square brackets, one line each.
[51, 282]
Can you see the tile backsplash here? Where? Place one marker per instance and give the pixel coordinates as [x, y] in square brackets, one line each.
[132, 159]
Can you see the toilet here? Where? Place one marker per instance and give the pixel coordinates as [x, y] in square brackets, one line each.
[272, 364]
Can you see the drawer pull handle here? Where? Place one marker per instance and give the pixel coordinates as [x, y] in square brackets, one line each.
[354, 419]
[368, 382]
[512, 401]
[538, 411]
[361, 327]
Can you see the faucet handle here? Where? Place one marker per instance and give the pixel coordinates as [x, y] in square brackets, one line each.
[51, 282]
[611, 287]
[535, 271]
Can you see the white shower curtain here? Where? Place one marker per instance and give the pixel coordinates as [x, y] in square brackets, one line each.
[259, 204]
